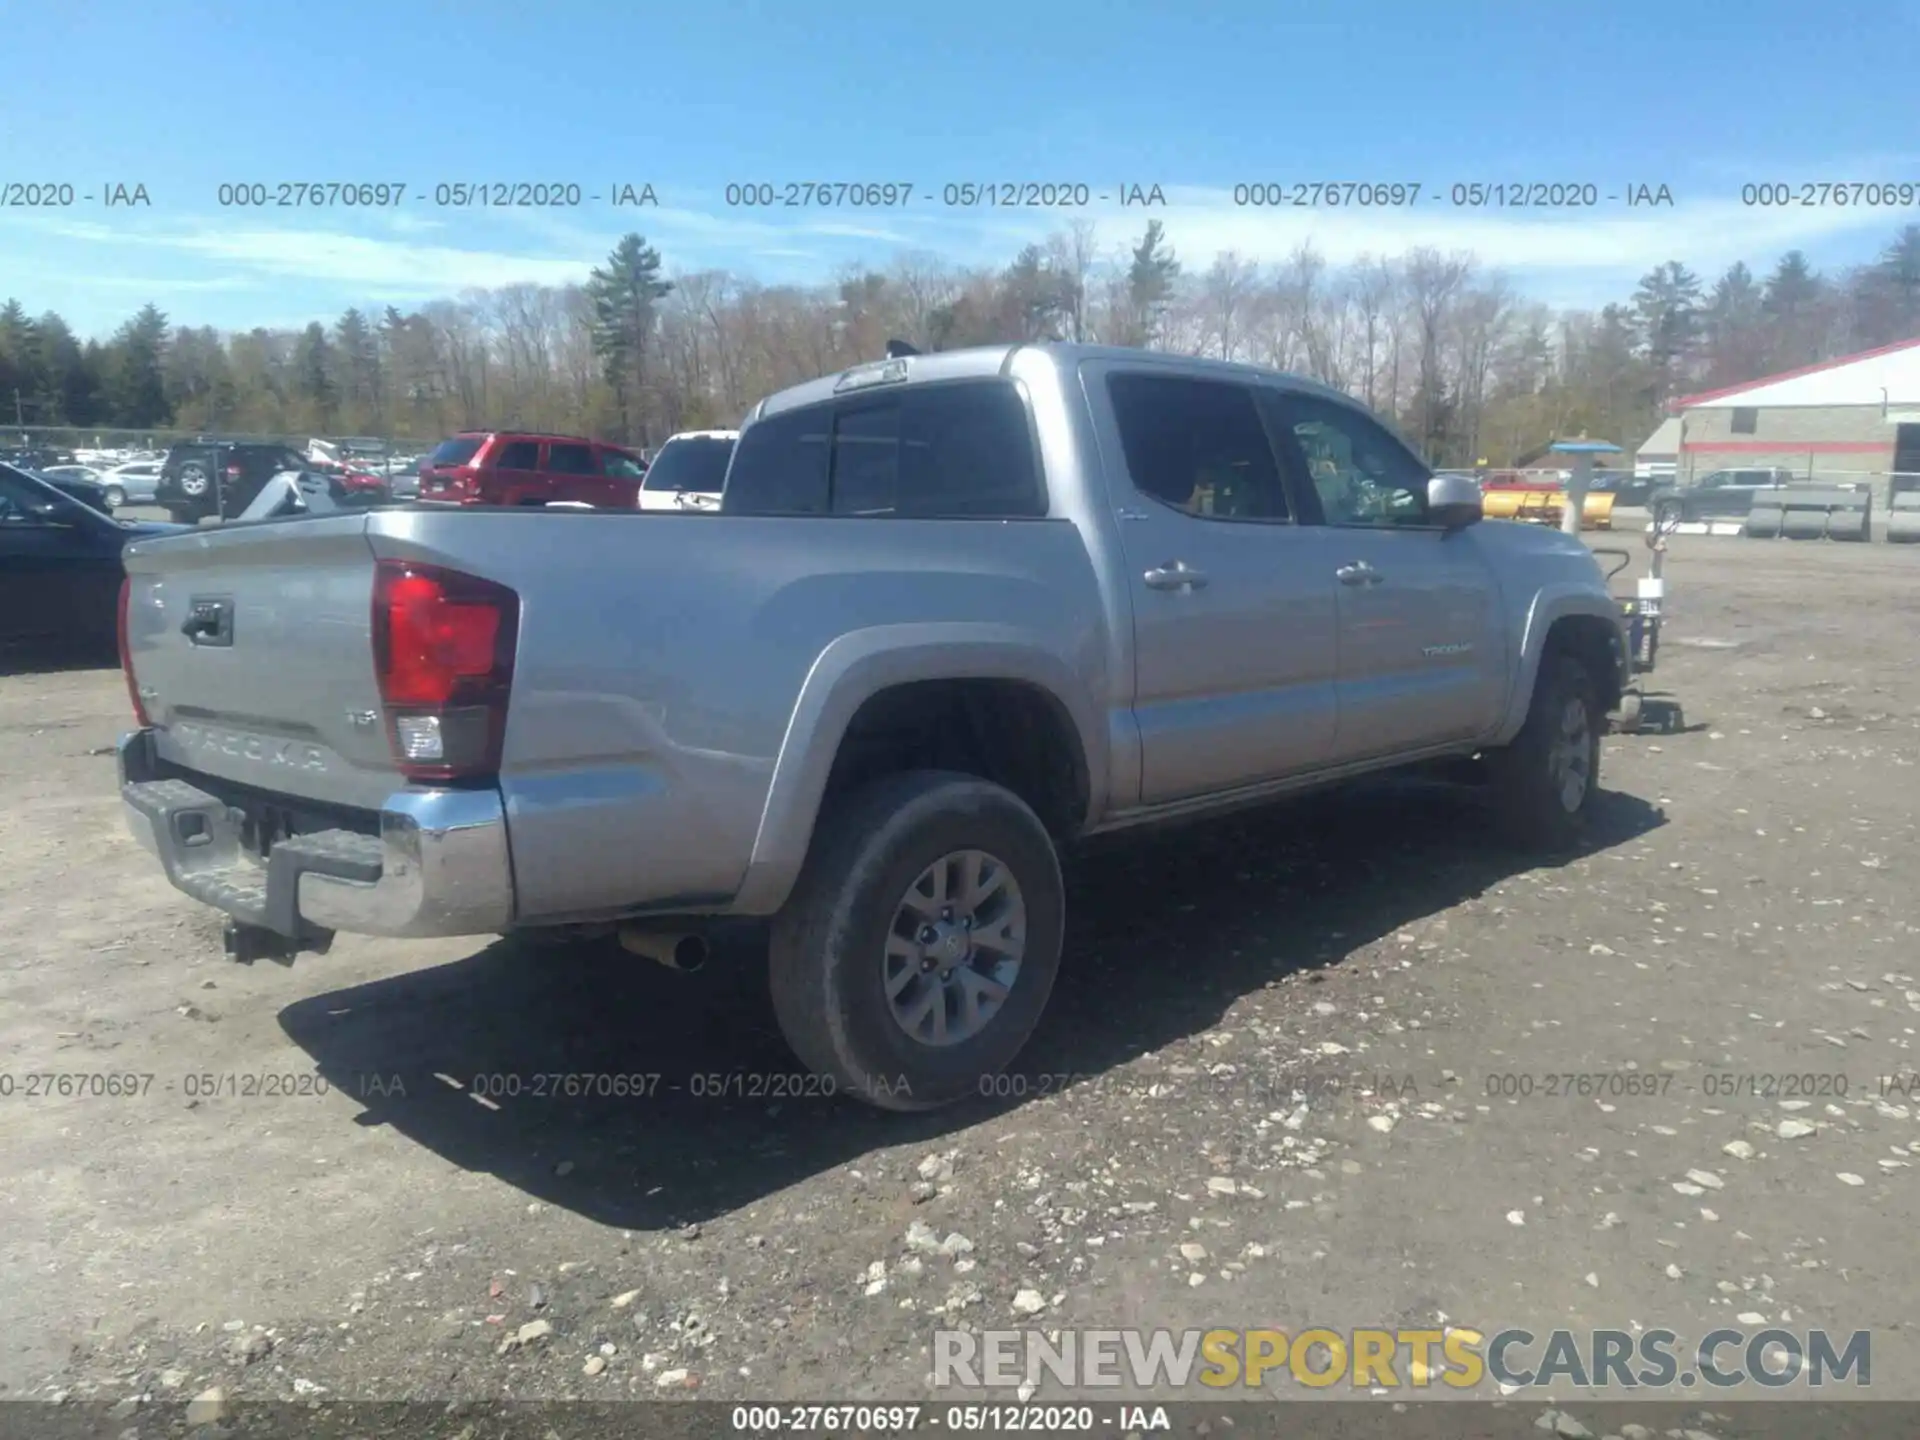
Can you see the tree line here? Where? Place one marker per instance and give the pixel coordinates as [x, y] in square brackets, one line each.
[1468, 366]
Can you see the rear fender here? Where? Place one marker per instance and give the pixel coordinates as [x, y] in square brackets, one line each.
[852, 670]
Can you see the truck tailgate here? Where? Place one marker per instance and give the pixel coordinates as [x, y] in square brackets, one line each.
[252, 649]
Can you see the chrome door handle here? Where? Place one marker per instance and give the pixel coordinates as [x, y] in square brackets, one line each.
[1175, 575]
[1358, 573]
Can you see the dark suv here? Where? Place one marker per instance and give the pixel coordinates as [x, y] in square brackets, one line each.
[518, 467]
[207, 477]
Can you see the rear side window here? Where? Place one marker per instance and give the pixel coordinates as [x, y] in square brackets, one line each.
[457, 451]
[1198, 446]
[948, 451]
[570, 459]
[519, 455]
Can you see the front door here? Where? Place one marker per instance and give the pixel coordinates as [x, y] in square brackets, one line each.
[1423, 651]
[58, 575]
[1233, 599]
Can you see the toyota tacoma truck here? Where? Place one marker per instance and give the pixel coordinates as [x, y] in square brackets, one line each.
[957, 612]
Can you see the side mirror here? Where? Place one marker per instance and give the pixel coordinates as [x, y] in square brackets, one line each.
[1453, 501]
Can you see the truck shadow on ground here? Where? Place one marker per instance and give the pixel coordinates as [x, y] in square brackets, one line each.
[599, 1082]
[52, 658]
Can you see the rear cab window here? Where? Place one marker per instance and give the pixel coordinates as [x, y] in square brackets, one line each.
[697, 463]
[457, 451]
[960, 449]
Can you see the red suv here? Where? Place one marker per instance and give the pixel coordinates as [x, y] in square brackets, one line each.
[512, 467]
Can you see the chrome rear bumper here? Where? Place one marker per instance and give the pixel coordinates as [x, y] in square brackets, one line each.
[437, 866]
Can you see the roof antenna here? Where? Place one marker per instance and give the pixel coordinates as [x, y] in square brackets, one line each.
[899, 350]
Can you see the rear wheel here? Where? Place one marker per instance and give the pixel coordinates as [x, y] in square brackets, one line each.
[1545, 781]
[115, 497]
[919, 947]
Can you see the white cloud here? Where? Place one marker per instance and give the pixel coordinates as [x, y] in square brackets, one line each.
[1563, 254]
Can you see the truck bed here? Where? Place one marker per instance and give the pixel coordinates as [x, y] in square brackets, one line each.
[661, 662]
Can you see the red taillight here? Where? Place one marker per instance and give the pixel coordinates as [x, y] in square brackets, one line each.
[443, 647]
[126, 654]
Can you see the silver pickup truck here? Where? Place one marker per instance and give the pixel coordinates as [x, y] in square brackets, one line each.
[957, 611]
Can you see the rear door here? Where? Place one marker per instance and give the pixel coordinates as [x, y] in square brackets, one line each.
[274, 684]
[1233, 601]
[512, 475]
[573, 475]
[1422, 648]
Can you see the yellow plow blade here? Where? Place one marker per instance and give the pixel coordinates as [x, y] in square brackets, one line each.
[1545, 507]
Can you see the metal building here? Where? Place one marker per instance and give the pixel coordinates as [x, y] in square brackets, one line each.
[1853, 419]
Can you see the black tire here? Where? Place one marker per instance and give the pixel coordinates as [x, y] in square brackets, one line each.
[830, 940]
[1530, 797]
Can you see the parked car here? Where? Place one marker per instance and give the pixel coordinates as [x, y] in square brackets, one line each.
[59, 564]
[960, 611]
[202, 478]
[1722, 495]
[1627, 489]
[518, 467]
[688, 471]
[88, 492]
[135, 483]
[37, 457]
[92, 481]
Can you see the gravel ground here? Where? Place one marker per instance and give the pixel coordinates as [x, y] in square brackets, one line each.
[1299, 1071]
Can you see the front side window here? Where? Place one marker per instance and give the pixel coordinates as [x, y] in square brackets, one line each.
[1361, 474]
[621, 465]
[23, 504]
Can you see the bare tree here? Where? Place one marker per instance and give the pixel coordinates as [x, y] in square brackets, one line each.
[1075, 254]
[1228, 289]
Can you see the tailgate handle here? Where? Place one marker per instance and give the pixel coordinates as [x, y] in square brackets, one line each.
[209, 622]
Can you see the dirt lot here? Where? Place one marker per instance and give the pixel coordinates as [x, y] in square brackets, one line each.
[1299, 1071]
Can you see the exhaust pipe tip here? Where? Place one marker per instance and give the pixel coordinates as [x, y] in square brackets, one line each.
[685, 951]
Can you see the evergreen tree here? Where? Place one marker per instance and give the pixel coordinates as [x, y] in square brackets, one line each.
[626, 293]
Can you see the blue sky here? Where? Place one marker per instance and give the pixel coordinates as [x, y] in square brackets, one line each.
[1194, 97]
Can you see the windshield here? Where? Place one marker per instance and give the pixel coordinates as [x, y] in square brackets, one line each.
[695, 464]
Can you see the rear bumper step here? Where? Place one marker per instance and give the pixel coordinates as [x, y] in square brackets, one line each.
[438, 866]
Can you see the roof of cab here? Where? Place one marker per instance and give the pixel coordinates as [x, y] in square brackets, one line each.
[986, 360]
